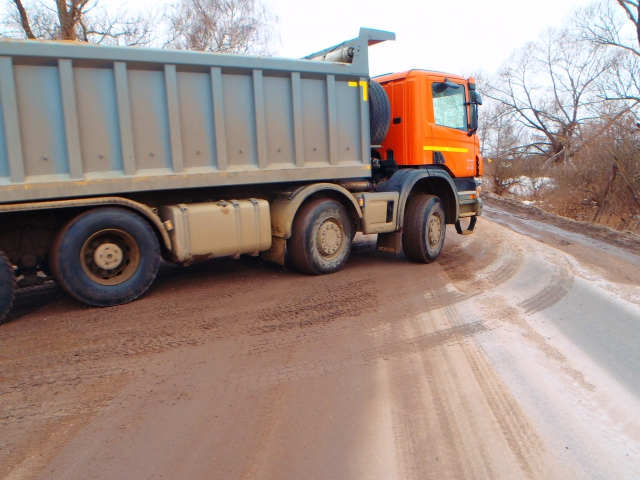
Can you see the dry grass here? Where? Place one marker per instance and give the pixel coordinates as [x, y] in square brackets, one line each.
[579, 186]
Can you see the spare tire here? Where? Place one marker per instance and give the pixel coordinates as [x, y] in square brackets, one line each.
[379, 112]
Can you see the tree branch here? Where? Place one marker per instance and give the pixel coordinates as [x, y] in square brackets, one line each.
[24, 20]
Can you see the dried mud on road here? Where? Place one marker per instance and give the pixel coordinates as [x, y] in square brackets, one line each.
[387, 369]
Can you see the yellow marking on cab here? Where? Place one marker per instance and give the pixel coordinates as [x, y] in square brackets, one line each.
[431, 148]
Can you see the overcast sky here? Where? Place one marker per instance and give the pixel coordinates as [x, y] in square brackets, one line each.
[454, 36]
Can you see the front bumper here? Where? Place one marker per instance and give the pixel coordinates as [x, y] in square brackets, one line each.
[469, 205]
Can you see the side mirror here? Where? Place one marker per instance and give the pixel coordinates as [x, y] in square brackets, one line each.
[473, 124]
[475, 97]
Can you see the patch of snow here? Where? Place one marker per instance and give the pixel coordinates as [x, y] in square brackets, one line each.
[524, 186]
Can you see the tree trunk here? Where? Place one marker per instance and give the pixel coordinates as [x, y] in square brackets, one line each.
[638, 23]
[634, 193]
[24, 20]
[614, 171]
[66, 20]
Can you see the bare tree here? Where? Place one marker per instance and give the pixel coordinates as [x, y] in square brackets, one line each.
[604, 23]
[550, 88]
[607, 178]
[607, 24]
[632, 9]
[80, 20]
[225, 26]
[622, 83]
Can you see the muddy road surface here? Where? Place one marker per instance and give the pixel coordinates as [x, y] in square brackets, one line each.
[516, 355]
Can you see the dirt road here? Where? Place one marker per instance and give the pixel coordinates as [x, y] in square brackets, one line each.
[516, 355]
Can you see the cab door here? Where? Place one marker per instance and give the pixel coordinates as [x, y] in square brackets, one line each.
[450, 143]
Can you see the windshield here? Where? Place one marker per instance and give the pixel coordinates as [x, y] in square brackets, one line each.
[449, 106]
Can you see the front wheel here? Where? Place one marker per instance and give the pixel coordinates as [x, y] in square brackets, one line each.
[7, 286]
[424, 229]
[106, 257]
[321, 238]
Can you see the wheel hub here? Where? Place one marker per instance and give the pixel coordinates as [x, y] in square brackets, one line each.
[434, 231]
[329, 238]
[108, 256]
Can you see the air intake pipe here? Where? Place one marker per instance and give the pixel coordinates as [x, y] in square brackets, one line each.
[341, 55]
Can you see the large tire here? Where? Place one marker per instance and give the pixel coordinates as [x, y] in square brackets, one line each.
[106, 257]
[379, 112]
[7, 286]
[321, 238]
[424, 229]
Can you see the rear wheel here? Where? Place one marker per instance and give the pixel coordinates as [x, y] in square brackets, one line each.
[424, 229]
[321, 238]
[106, 257]
[7, 286]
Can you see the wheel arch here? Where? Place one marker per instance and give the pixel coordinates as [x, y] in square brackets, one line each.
[284, 208]
[410, 182]
[87, 203]
[287, 204]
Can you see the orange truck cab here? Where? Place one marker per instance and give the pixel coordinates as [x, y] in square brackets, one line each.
[434, 118]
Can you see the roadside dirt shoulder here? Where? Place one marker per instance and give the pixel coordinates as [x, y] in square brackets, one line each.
[623, 239]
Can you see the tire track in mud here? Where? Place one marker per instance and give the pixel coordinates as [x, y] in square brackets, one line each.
[473, 275]
[493, 265]
[409, 428]
[276, 374]
[470, 276]
[477, 284]
[424, 429]
[424, 346]
[112, 343]
[196, 325]
[559, 287]
[31, 299]
[346, 299]
[55, 421]
[527, 448]
[91, 353]
[50, 406]
[447, 427]
[29, 381]
[200, 320]
[438, 425]
[504, 313]
[478, 453]
[505, 272]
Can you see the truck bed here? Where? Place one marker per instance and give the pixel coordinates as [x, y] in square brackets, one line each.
[81, 120]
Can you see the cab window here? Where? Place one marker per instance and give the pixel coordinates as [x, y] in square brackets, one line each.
[449, 105]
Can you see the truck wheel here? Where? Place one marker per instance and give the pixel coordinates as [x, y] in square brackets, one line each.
[321, 239]
[424, 229]
[106, 257]
[7, 286]
[379, 112]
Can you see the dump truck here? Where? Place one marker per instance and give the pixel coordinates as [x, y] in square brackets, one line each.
[113, 159]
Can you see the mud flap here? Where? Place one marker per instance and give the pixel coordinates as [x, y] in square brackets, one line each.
[390, 242]
[469, 230]
[277, 253]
